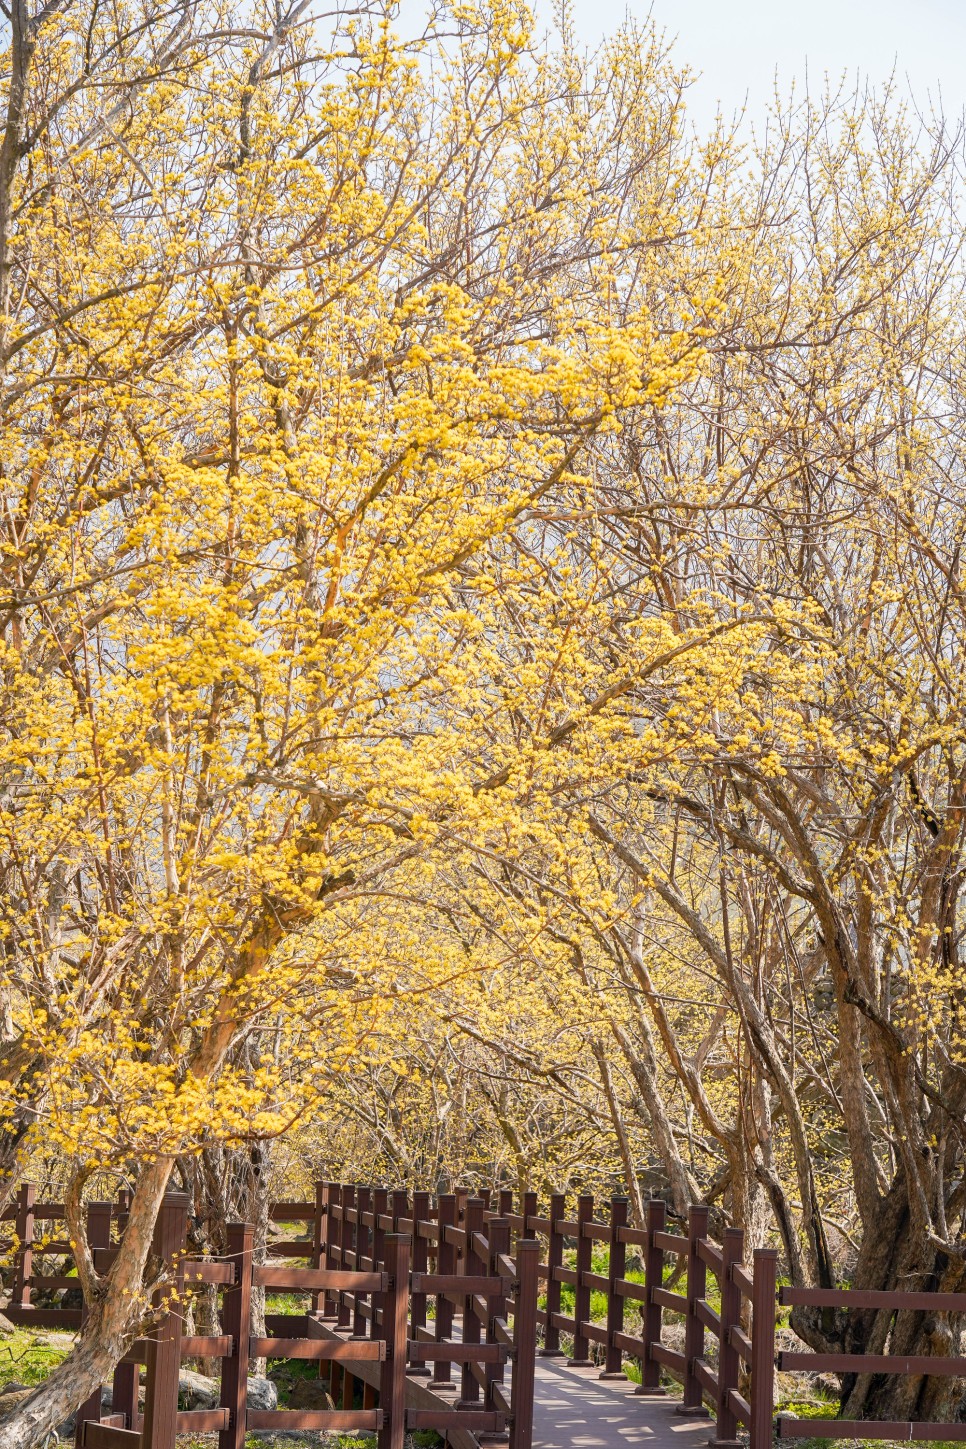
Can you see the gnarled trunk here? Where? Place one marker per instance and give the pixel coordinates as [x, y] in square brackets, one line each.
[115, 1316]
[894, 1258]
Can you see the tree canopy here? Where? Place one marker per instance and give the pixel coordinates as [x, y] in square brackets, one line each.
[482, 629]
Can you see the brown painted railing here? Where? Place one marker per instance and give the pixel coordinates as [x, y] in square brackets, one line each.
[443, 1291]
[747, 1294]
[900, 1431]
[370, 1273]
[475, 1278]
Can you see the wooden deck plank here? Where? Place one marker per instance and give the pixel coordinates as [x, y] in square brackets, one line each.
[574, 1409]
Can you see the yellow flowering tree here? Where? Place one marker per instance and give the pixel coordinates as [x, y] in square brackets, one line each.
[301, 331]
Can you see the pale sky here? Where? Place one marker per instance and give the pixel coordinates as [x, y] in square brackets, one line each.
[738, 45]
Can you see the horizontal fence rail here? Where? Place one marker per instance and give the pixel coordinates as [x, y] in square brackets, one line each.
[900, 1431]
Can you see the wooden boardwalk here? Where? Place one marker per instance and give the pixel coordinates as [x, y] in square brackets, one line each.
[574, 1408]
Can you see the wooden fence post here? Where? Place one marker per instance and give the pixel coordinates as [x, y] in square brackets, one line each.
[555, 1251]
[236, 1317]
[363, 1240]
[651, 1314]
[127, 1376]
[376, 1255]
[380, 1208]
[474, 1266]
[333, 1246]
[98, 1236]
[399, 1212]
[765, 1273]
[333, 1260]
[506, 1202]
[392, 1375]
[462, 1198]
[693, 1402]
[20, 1297]
[585, 1248]
[319, 1227]
[348, 1203]
[524, 1344]
[498, 1234]
[616, 1264]
[333, 1242]
[446, 1265]
[528, 1210]
[164, 1344]
[729, 1363]
[420, 1261]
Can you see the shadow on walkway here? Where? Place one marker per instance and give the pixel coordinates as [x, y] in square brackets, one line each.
[574, 1409]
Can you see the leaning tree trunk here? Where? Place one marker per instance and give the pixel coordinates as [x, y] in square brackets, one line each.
[115, 1317]
[228, 1184]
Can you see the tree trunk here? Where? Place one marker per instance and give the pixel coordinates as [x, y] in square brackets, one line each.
[116, 1314]
[229, 1185]
[893, 1258]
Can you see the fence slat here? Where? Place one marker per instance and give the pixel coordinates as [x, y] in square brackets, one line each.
[897, 1431]
[268, 1275]
[473, 1266]
[370, 1350]
[729, 1362]
[585, 1248]
[236, 1317]
[20, 1297]
[164, 1344]
[324, 1419]
[363, 1244]
[555, 1250]
[765, 1271]
[873, 1298]
[499, 1231]
[524, 1344]
[420, 1261]
[616, 1264]
[446, 1266]
[651, 1319]
[109, 1436]
[693, 1402]
[392, 1378]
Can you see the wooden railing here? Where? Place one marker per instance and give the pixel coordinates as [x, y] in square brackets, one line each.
[747, 1295]
[475, 1280]
[370, 1274]
[871, 1363]
[423, 1313]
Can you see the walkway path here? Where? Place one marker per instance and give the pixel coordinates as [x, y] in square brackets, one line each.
[575, 1409]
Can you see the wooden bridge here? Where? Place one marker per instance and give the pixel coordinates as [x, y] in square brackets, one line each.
[461, 1315]
[423, 1313]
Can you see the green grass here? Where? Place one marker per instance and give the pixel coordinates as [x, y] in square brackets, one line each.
[817, 1443]
[809, 1408]
[28, 1357]
[826, 1407]
[287, 1302]
[598, 1300]
[286, 1372]
[264, 1441]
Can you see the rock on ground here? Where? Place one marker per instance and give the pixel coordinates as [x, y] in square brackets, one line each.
[198, 1391]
